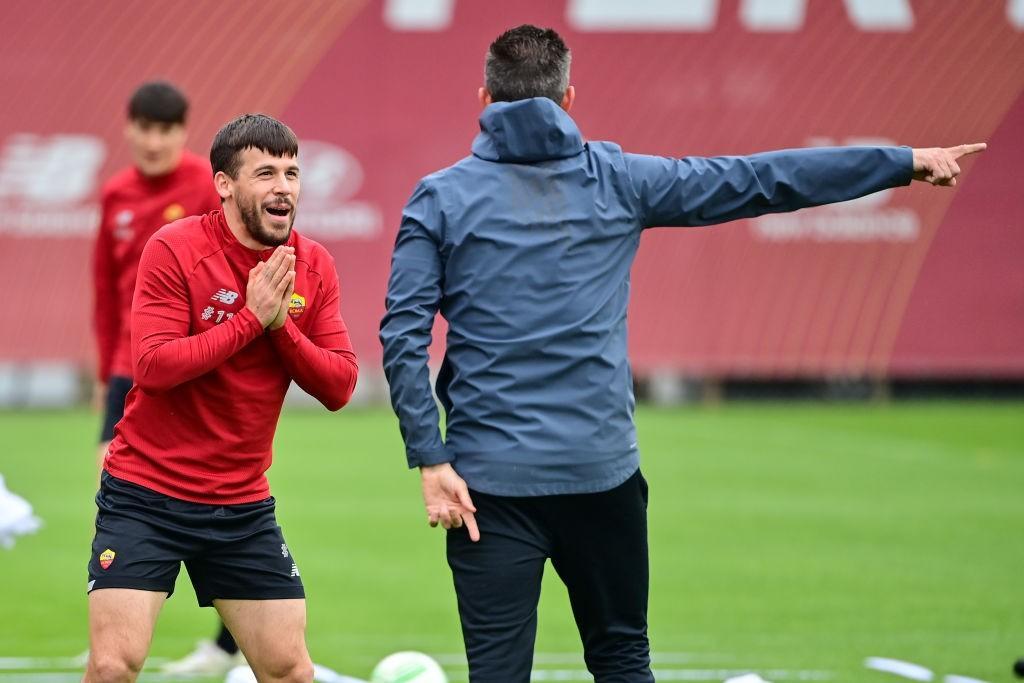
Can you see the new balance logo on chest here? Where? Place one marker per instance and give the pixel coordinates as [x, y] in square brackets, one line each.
[225, 296]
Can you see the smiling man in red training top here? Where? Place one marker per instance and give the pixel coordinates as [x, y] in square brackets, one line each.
[229, 308]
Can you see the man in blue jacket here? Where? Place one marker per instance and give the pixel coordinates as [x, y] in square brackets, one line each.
[525, 248]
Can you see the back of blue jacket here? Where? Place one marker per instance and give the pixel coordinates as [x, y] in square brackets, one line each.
[525, 248]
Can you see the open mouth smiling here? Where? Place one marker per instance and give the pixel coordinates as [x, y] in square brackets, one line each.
[280, 211]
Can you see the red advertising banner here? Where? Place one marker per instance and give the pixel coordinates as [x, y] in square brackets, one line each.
[909, 282]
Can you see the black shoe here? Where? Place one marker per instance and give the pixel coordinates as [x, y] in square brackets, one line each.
[1018, 668]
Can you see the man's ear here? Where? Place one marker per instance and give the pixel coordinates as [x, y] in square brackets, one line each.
[485, 97]
[568, 98]
[222, 181]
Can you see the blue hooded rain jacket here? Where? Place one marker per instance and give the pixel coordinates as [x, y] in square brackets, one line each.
[525, 248]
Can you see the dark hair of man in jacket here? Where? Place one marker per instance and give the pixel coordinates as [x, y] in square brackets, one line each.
[526, 62]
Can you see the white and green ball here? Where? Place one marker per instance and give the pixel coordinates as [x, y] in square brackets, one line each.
[408, 667]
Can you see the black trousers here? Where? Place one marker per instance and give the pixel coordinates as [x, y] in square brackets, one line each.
[597, 542]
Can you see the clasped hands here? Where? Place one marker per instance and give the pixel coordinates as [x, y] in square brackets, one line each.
[270, 287]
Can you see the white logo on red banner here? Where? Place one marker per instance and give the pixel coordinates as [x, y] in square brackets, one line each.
[867, 219]
[683, 16]
[48, 184]
[331, 177]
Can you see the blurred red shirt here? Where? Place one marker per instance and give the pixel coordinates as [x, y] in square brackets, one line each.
[134, 207]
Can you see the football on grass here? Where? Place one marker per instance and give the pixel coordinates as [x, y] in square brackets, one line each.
[408, 667]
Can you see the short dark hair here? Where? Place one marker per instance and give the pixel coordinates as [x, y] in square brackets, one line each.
[158, 101]
[257, 131]
[526, 62]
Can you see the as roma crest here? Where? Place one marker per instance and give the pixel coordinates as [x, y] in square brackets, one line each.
[107, 558]
[296, 305]
[174, 212]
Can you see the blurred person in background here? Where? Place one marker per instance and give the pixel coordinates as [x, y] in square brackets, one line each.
[525, 248]
[164, 183]
[16, 517]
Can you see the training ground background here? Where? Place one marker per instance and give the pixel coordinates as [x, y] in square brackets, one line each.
[794, 540]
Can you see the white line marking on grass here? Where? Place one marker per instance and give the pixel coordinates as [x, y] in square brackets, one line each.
[19, 663]
[75, 677]
[55, 663]
[545, 662]
[50, 663]
[689, 657]
[546, 658]
[68, 669]
[914, 672]
[685, 675]
[798, 675]
[953, 678]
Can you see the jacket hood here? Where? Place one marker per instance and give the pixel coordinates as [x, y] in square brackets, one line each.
[530, 130]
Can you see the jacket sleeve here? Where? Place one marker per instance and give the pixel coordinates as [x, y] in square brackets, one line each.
[413, 298]
[703, 191]
[323, 363]
[106, 316]
[164, 352]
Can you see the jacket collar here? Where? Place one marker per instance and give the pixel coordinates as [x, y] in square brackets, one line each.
[530, 130]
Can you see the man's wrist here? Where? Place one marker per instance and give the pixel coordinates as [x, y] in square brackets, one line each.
[280, 332]
[255, 315]
[247, 316]
[429, 457]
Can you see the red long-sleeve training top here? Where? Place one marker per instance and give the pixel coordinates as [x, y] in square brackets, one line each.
[209, 380]
[134, 207]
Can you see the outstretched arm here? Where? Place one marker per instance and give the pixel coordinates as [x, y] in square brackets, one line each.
[704, 191]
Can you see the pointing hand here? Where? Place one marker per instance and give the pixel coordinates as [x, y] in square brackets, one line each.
[937, 165]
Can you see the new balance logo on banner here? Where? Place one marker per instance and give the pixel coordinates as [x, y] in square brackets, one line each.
[47, 184]
[682, 15]
[55, 169]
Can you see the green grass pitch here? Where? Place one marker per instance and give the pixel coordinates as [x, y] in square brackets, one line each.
[794, 539]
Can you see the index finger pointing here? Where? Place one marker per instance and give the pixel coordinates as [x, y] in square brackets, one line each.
[470, 521]
[963, 150]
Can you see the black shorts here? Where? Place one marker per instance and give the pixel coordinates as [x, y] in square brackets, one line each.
[117, 389]
[231, 552]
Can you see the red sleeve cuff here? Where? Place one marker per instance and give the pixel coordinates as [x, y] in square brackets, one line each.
[288, 331]
[250, 320]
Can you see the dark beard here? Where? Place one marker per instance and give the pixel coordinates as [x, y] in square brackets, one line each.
[252, 217]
